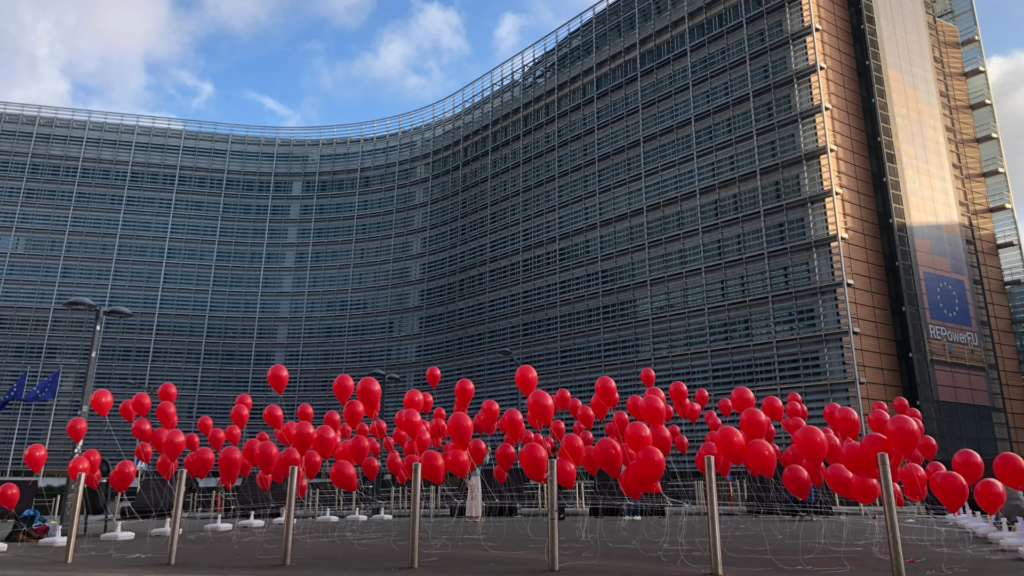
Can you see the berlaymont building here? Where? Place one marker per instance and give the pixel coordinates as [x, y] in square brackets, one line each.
[790, 195]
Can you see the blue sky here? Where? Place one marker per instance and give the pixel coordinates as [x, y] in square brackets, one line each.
[310, 62]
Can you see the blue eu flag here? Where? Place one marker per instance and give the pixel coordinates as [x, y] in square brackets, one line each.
[947, 299]
[45, 390]
[15, 392]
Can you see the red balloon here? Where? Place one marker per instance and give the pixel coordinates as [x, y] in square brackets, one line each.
[635, 406]
[637, 436]
[558, 429]
[202, 462]
[457, 462]
[343, 476]
[915, 482]
[126, 410]
[370, 466]
[562, 398]
[173, 444]
[332, 419]
[413, 400]
[76, 429]
[167, 415]
[143, 452]
[647, 377]
[654, 410]
[951, 489]
[141, 402]
[877, 420]
[77, 465]
[990, 495]
[433, 376]
[267, 456]
[165, 466]
[835, 449]
[302, 436]
[101, 402]
[94, 458]
[914, 413]
[232, 434]
[533, 458]
[464, 391]
[701, 397]
[725, 407]
[358, 447]
[811, 443]
[730, 444]
[753, 422]
[759, 457]
[541, 406]
[204, 425]
[122, 476]
[505, 456]
[460, 429]
[968, 464]
[9, 495]
[847, 423]
[797, 481]
[216, 439]
[839, 480]
[934, 468]
[432, 466]
[864, 490]
[609, 456]
[244, 400]
[742, 398]
[353, 412]
[904, 434]
[312, 462]
[1007, 467]
[324, 441]
[772, 407]
[585, 416]
[239, 416]
[650, 464]
[661, 439]
[343, 387]
[249, 449]
[901, 405]
[35, 457]
[304, 413]
[277, 377]
[928, 447]
[478, 451]
[682, 444]
[606, 390]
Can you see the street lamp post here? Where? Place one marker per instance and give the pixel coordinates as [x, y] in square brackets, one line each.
[81, 304]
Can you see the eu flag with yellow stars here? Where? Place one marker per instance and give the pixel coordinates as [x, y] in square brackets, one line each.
[947, 299]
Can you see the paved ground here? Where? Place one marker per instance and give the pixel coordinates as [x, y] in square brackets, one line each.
[752, 545]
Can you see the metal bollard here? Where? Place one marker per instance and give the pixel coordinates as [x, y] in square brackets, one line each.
[892, 525]
[552, 515]
[179, 502]
[714, 536]
[316, 502]
[289, 514]
[414, 517]
[69, 553]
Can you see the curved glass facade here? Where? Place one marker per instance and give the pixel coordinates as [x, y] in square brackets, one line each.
[649, 185]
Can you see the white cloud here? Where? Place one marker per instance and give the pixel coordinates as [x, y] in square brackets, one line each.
[410, 54]
[204, 90]
[343, 13]
[1006, 74]
[517, 29]
[131, 55]
[288, 116]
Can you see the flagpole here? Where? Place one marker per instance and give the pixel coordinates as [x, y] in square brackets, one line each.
[17, 424]
[53, 409]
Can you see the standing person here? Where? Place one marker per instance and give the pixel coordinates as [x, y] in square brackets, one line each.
[474, 500]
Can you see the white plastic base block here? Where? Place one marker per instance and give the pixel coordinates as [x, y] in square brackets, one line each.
[280, 520]
[356, 517]
[165, 530]
[219, 526]
[55, 540]
[383, 517]
[252, 522]
[327, 517]
[3, 547]
[1011, 544]
[1021, 551]
[117, 535]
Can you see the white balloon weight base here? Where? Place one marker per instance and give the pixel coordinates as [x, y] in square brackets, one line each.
[252, 522]
[280, 520]
[3, 547]
[56, 540]
[118, 535]
[327, 517]
[219, 526]
[165, 530]
[357, 516]
[383, 516]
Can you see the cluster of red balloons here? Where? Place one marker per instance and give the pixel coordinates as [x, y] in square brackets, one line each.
[636, 442]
